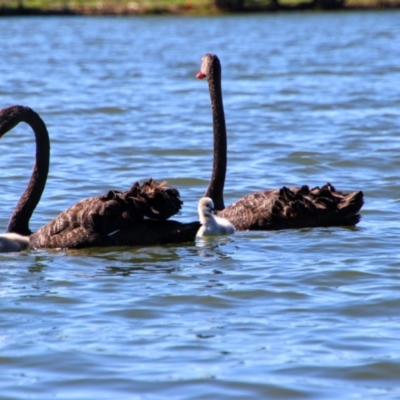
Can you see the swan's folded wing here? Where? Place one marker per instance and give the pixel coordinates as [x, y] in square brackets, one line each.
[252, 210]
[94, 220]
[88, 222]
[288, 208]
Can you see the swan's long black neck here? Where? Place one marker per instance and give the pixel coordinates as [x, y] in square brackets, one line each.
[215, 189]
[9, 118]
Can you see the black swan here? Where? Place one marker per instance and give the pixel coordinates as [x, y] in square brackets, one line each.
[18, 227]
[114, 219]
[211, 223]
[272, 209]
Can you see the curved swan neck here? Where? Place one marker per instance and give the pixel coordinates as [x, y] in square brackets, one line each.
[216, 187]
[9, 118]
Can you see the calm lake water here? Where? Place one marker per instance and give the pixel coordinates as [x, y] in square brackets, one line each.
[304, 314]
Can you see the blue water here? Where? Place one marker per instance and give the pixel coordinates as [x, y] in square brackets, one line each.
[309, 98]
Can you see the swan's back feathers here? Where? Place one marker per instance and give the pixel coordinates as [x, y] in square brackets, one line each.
[93, 221]
[294, 208]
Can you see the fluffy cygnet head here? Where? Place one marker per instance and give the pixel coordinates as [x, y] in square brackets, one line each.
[212, 224]
[206, 207]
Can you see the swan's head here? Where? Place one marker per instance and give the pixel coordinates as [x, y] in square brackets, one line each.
[209, 62]
[206, 206]
[10, 117]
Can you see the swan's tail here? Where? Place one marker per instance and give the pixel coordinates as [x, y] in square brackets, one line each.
[350, 207]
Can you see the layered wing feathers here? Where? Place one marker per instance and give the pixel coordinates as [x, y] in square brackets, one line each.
[288, 208]
[94, 221]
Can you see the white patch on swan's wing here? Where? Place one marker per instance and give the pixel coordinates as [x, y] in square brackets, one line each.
[12, 242]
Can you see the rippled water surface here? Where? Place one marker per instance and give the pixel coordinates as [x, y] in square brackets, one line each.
[312, 313]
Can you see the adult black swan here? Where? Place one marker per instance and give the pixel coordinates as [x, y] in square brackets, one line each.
[272, 209]
[114, 219]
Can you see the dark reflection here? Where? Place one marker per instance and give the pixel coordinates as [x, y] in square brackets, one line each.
[125, 261]
[214, 283]
[201, 336]
[37, 267]
[127, 271]
[137, 254]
